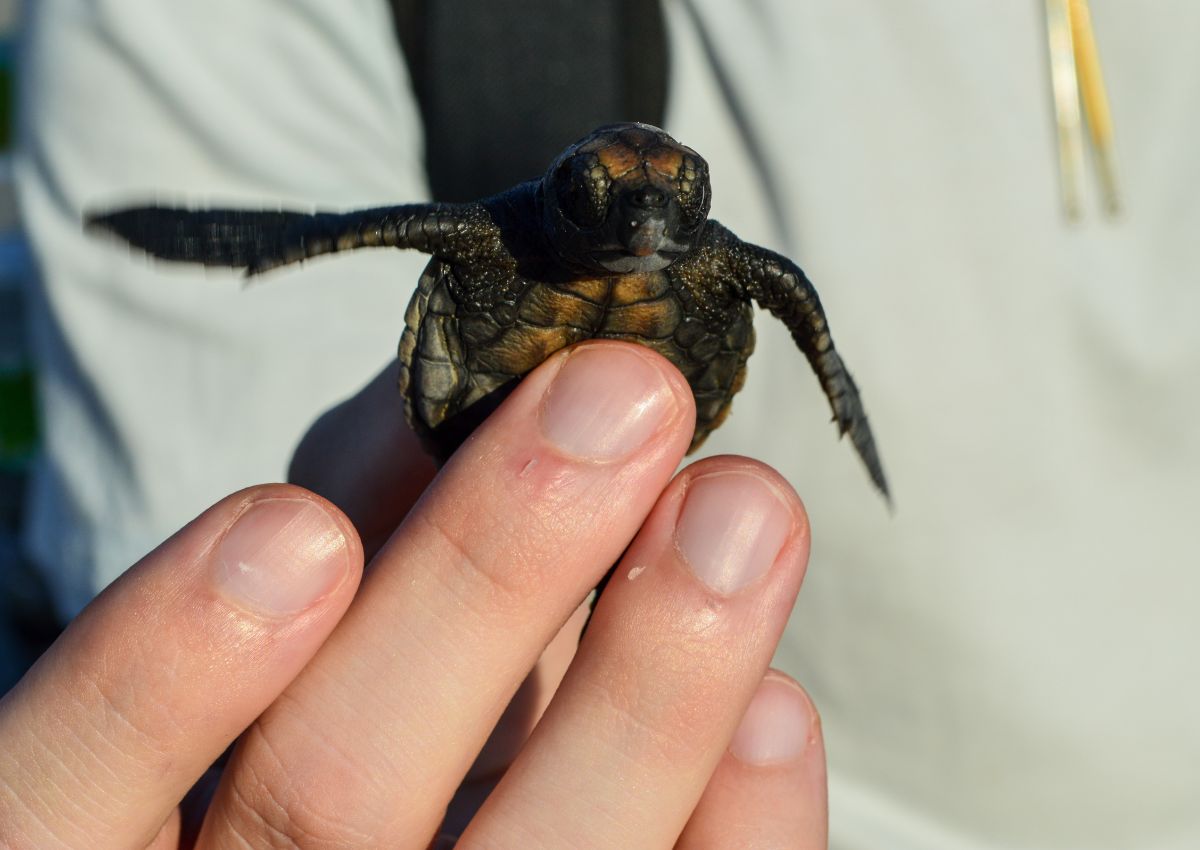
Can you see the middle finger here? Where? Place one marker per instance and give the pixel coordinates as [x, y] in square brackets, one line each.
[368, 745]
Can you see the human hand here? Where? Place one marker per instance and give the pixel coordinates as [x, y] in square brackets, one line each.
[365, 713]
[362, 456]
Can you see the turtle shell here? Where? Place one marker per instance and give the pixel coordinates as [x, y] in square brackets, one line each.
[461, 356]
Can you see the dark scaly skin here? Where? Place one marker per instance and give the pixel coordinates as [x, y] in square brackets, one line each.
[613, 242]
[464, 342]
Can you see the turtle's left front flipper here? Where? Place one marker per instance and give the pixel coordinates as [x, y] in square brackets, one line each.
[779, 285]
[262, 240]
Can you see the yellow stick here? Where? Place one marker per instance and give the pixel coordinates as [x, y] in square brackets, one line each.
[1066, 102]
[1095, 99]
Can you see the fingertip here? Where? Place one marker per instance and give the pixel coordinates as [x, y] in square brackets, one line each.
[157, 676]
[781, 724]
[737, 519]
[606, 400]
[770, 788]
[284, 552]
[717, 464]
[679, 386]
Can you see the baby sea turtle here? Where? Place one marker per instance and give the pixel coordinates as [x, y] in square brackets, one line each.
[613, 242]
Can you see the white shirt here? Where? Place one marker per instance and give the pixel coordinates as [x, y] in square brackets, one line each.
[1008, 661]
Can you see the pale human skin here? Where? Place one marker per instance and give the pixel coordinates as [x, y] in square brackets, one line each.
[365, 703]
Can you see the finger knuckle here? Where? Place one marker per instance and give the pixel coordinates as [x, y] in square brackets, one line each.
[498, 566]
[265, 809]
[643, 726]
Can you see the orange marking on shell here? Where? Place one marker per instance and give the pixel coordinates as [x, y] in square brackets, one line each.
[551, 306]
[630, 288]
[523, 347]
[619, 159]
[593, 289]
[666, 161]
[653, 320]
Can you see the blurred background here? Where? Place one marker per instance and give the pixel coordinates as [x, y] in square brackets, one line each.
[18, 430]
[1012, 659]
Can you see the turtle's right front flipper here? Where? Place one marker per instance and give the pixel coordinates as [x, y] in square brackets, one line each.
[780, 286]
[262, 240]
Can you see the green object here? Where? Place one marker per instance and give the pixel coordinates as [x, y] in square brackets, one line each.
[6, 108]
[7, 93]
[18, 417]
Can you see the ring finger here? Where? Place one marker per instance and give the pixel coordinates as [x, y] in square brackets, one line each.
[679, 644]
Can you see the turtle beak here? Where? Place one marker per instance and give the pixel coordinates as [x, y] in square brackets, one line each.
[644, 219]
[642, 237]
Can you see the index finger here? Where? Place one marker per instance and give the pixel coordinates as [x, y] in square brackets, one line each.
[102, 739]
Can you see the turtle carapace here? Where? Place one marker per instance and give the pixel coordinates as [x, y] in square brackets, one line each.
[613, 242]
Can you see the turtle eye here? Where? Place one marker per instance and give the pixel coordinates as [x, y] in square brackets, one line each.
[694, 194]
[582, 185]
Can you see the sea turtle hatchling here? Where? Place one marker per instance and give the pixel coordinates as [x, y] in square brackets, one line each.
[613, 242]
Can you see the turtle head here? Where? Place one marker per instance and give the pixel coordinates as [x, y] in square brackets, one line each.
[627, 198]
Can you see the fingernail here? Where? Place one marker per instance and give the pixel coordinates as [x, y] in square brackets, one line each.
[731, 529]
[605, 403]
[777, 726]
[281, 556]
